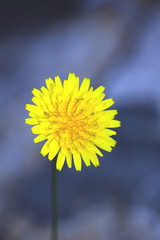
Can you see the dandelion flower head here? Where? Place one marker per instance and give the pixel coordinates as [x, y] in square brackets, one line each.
[74, 120]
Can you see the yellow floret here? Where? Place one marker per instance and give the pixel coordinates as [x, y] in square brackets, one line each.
[74, 120]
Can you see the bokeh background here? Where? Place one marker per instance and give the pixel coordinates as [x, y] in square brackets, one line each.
[115, 43]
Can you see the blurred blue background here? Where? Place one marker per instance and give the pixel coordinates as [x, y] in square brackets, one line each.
[117, 44]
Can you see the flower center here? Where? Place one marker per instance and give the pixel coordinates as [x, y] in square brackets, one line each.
[73, 124]
[72, 127]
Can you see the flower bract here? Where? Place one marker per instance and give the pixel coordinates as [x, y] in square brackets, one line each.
[74, 120]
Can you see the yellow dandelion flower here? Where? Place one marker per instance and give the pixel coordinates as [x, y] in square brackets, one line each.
[73, 120]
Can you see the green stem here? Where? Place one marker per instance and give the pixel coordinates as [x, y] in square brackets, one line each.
[54, 201]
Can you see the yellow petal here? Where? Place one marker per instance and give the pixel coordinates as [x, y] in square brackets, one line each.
[36, 101]
[49, 84]
[77, 161]
[94, 160]
[38, 129]
[85, 157]
[98, 91]
[104, 105]
[60, 161]
[34, 109]
[108, 132]
[45, 149]
[92, 148]
[33, 115]
[84, 86]
[31, 121]
[74, 82]
[107, 115]
[39, 138]
[88, 95]
[53, 148]
[69, 159]
[37, 93]
[110, 141]
[114, 124]
[58, 83]
[44, 90]
[102, 144]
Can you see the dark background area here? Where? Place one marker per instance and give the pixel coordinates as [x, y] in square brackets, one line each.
[116, 44]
